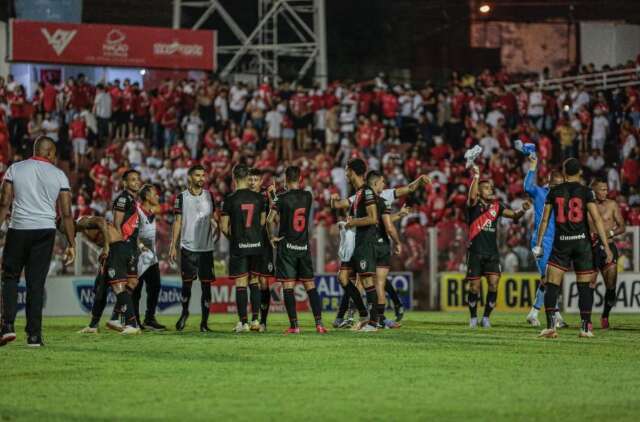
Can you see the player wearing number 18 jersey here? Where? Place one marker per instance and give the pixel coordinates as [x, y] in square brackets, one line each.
[243, 219]
[570, 202]
[293, 262]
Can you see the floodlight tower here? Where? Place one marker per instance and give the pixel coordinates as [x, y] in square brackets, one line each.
[302, 20]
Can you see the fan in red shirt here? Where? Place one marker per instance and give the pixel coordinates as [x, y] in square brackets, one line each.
[389, 108]
[140, 112]
[78, 136]
[364, 135]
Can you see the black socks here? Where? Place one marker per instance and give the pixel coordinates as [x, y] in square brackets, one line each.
[393, 294]
[290, 304]
[241, 303]
[472, 300]
[316, 305]
[609, 302]
[125, 304]
[254, 293]
[585, 303]
[490, 303]
[186, 295]
[551, 302]
[265, 301]
[205, 301]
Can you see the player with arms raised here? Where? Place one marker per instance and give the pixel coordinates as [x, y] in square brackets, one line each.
[613, 226]
[293, 250]
[243, 220]
[483, 258]
[570, 203]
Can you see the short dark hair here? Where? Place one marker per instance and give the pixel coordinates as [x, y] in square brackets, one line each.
[255, 172]
[240, 171]
[144, 191]
[556, 173]
[597, 180]
[128, 172]
[372, 176]
[571, 167]
[195, 168]
[292, 174]
[358, 166]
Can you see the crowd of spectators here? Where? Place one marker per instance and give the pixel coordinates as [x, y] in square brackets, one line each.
[402, 129]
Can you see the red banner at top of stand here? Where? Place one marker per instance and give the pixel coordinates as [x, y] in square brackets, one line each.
[112, 45]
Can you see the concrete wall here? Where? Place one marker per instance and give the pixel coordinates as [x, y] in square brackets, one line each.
[608, 42]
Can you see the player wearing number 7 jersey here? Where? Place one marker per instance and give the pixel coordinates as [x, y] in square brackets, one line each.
[293, 257]
[570, 202]
[243, 220]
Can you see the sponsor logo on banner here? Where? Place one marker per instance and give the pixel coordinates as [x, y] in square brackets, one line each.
[223, 296]
[330, 290]
[114, 45]
[627, 294]
[516, 292]
[59, 40]
[161, 49]
[86, 294]
[170, 295]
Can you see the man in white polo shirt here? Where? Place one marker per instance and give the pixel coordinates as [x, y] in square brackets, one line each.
[32, 188]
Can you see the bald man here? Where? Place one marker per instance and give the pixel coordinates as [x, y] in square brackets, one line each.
[32, 189]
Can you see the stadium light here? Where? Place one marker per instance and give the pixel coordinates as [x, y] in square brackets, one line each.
[484, 8]
[143, 72]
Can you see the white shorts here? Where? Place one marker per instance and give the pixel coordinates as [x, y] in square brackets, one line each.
[330, 137]
[79, 146]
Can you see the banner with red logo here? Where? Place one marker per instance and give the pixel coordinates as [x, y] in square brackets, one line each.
[111, 45]
[223, 296]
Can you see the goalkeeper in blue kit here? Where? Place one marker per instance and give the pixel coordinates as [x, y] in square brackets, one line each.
[538, 195]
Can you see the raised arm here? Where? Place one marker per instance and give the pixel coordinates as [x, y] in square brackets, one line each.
[404, 211]
[530, 184]
[94, 222]
[472, 198]
[413, 186]
[517, 215]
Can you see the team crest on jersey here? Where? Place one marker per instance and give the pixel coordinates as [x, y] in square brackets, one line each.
[112, 273]
[363, 264]
[493, 213]
[270, 267]
[122, 201]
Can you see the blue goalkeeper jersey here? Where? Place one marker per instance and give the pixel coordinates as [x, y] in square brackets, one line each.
[539, 194]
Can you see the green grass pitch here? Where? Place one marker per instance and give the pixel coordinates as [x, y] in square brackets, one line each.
[433, 368]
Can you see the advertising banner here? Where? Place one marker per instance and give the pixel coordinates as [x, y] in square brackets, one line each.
[516, 292]
[111, 45]
[627, 295]
[74, 296]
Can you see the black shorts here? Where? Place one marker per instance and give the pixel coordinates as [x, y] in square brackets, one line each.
[121, 117]
[118, 264]
[265, 264]
[293, 265]
[363, 260]
[196, 265]
[577, 252]
[244, 265]
[482, 265]
[300, 122]
[383, 254]
[600, 258]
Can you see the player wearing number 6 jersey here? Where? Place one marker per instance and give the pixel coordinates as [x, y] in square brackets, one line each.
[293, 258]
[243, 220]
[570, 203]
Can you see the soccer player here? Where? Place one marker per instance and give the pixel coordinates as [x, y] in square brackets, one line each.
[125, 220]
[193, 228]
[365, 220]
[570, 203]
[293, 250]
[243, 220]
[483, 259]
[386, 229]
[148, 267]
[113, 271]
[613, 225]
[390, 196]
[259, 293]
[538, 194]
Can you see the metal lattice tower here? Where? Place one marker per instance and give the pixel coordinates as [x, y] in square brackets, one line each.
[263, 43]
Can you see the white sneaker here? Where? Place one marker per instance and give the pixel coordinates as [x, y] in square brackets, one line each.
[263, 328]
[255, 325]
[368, 328]
[88, 330]
[586, 334]
[548, 333]
[532, 318]
[473, 323]
[364, 321]
[560, 321]
[485, 322]
[130, 330]
[115, 325]
[242, 328]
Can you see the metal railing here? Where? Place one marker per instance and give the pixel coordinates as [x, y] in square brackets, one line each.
[592, 81]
